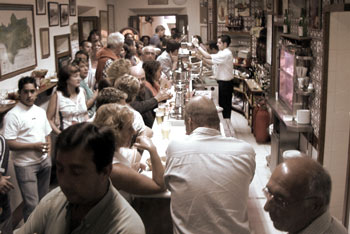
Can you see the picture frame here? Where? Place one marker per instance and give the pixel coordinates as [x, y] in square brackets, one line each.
[111, 19]
[64, 15]
[74, 32]
[62, 45]
[72, 7]
[315, 14]
[269, 6]
[40, 7]
[17, 56]
[45, 42]
[221, 10]
[104, 26]
[157, 2]
[242, 7]
[54, 17]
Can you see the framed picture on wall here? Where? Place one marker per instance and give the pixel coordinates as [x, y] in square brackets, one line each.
[315, 13]
[110, 9]
[62, 48]
[64, 15]
[54, 16]
[157, 2]
[242, 7]
[45, 42]
[222, 10]
[72, 7]
[17, 56]
[41, 7]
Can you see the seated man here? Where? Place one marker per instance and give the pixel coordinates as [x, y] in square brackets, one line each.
[298, 195]
[85, 201]
[168, 59]
[208, 175]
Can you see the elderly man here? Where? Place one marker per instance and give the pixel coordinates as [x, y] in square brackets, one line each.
[156, 40]
[27, 132]
[85, 201]
[223, 71]
[208, 175]
[298, 195]
[107, 55]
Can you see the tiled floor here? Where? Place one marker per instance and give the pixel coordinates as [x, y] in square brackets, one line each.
[259, 219]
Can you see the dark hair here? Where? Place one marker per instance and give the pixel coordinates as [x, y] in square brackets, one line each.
[159, 28]
[26, 80]
[225, 39]
[127, 34]
[199, 39]
[128, 53]
[81, 44]
[172, 45]
[82, 52]
[77, 61]
[175, 30]
[63, 75]
[176, 35]
[92, 32]
[104, 83]
[88, 136]
[213, 45]
[129, 42]
[150, 68]
[143, 39]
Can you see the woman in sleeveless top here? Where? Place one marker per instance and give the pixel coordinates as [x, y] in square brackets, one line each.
[68, 100]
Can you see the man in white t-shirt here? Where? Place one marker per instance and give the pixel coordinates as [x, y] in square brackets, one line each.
[27, 130]
[224, 71]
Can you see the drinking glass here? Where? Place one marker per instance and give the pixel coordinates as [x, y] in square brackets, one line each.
[166, 126]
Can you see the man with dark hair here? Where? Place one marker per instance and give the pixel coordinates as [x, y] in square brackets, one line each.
[208, 175]
[298, 195]
[85, 201]
[156, 39]
[168, 59]
[212, 47]
[223, 71]
[80, 54]
[27, 130]
[86, 46]
[176, 37]
[5, 187]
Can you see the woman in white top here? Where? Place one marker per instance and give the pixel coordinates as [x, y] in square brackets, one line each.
[68, 100]
[120, 119]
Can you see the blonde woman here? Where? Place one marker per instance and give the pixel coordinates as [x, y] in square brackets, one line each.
[120, 119]
[117, 69]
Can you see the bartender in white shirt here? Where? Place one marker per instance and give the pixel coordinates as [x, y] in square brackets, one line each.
[224, 70]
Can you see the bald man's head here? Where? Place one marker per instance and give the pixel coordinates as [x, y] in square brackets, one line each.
[200, 111]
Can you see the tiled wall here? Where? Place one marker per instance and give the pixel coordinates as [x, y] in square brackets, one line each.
[338, 108]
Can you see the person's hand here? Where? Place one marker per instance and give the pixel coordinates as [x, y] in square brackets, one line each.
[144, 143]
[42, 147]
[163, 95]
[139, 167]
[195, 42]
[5, 184]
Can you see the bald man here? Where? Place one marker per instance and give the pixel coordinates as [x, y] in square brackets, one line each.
[208, 175]
[298, 195]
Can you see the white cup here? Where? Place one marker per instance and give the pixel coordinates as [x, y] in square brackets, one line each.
[303, 116]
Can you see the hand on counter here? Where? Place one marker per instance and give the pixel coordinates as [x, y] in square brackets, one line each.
[163, 95]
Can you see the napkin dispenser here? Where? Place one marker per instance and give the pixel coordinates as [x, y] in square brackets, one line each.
[303, 116]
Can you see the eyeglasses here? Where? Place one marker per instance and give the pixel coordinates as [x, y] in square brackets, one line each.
[280, 201]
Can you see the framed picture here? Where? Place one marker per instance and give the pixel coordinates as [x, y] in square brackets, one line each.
[85, 25]
[41, 7]
[315, 13]
[62, 48]
[45, 42]
[16, 56]
[222, 10]
[64, 15]
[74, 32]
[53, 13]
[104, 26]
[242, 7]
[269, 6]
[110, 9]
[72, 7]
[157, 2]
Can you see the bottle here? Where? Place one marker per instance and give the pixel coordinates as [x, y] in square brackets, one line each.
[285, 22]
[301, 25]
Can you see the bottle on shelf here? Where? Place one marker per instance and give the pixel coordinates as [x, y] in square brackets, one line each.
[286, 23]
[302, 26]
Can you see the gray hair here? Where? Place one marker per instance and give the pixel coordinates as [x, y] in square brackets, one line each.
[115, 39]
[149, 47]
[320, 184]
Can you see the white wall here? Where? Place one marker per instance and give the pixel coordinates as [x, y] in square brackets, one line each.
[41, 21]
[338, 107]
[124, 9]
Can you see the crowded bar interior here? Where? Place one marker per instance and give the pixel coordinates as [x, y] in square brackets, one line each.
[174, 116]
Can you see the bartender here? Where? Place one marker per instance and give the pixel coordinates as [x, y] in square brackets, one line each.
[222, 68]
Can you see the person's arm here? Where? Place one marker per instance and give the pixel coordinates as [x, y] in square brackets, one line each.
[51, 112]
[128, 180]
[5, 184]
[90, 102]
[37, 146]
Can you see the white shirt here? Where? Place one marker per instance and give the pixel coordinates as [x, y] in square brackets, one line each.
[165, 63]
[209, 176]
[138, 124]
[224, 61]
[27, 125]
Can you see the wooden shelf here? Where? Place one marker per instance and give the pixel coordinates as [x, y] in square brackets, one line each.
[237, 33]
[295, 37]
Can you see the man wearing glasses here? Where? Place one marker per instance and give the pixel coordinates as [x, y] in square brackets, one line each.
[298, 195]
